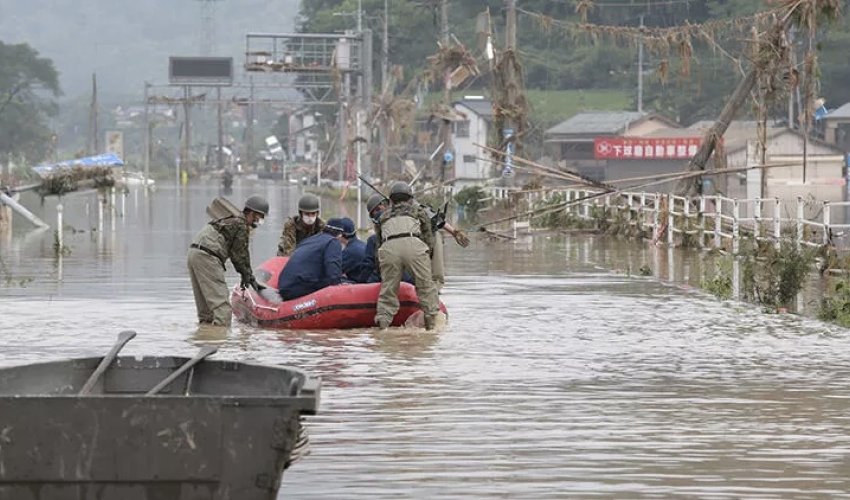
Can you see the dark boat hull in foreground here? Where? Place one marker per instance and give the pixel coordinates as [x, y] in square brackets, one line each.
[222, 430]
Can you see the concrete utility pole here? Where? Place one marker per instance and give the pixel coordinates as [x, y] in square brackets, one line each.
[147, 152]
[366, 96]
[385, 61]
[249, 129]
[220, 154]
[446, 135]
[509, 130]
[93, 143]
[640, 71]
[187, 131]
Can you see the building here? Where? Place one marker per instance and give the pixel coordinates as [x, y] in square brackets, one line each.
[573, 142]
[472, 126]
[837, 127]
[303, 139]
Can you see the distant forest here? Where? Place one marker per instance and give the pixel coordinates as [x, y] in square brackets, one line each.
[553, 60]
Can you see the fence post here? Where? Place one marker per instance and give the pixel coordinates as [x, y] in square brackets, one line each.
[686, 216]
[736, 212]
[718, 221]
[629, 209]
[826, 222]
[777, 223]
[641, 211]
[757, 218]
[59, 225]
[799, 221]
[671, 201]
[586, 204]
[701, 217]
[656, 214]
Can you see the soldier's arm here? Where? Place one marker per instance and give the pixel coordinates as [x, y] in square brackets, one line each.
[286, 245]
[240, 253]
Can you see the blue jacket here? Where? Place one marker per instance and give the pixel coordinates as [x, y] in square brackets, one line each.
[369, 272]
[315, 264]
[352, 258]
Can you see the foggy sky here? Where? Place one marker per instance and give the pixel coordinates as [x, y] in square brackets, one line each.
[128, 41]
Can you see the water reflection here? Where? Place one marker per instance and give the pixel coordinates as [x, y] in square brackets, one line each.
[563, 372]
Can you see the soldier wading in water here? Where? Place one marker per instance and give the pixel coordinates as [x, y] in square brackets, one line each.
[219, 240]
[405, 242]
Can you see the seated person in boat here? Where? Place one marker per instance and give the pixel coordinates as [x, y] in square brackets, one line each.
[369, 270]
[353, 250]
[315, 264]
[307, 223]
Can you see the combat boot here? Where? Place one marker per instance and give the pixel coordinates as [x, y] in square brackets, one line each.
[430, 322]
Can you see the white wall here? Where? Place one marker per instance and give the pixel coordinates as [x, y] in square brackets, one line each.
[465, 146]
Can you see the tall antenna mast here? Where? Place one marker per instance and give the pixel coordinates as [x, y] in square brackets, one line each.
[208, 35]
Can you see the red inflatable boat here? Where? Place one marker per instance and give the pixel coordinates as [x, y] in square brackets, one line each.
[340, 306]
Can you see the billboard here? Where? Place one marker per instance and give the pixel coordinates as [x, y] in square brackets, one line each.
[200, 70]
[645, 148]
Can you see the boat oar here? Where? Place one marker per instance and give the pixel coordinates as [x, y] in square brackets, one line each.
[205, 351]
[107, 360]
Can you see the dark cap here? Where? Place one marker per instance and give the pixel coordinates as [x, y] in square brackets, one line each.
[334, 226]
[348, 229]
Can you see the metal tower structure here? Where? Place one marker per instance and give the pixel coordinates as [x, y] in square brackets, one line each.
[208, 34]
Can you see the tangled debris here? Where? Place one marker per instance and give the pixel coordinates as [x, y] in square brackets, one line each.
[76, 178]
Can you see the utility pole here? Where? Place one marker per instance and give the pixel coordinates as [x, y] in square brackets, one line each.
[640, 71]
[147, 152]
[509, 130]
[446, 135]
[249, 130]
[93, 144]
[385, 61]
[187, 131]
[220, 154]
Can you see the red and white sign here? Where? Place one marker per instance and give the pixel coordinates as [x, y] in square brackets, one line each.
[645, 148]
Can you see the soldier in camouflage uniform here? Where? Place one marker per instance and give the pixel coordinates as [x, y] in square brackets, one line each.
[405, 242]
[305, 224]
[219, 240]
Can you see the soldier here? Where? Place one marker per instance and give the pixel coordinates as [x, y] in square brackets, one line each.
[306, 223]
[219, 240]
[405, 242]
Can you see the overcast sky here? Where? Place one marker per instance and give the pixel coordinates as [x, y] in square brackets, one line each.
[128, 41]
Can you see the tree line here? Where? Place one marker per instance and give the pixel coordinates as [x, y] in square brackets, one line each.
[554, 60]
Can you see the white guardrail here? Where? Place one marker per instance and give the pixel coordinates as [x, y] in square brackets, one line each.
[713, 221]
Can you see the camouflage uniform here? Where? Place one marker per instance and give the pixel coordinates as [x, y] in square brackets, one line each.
[294, 230]
[212, 246]
[405, 242]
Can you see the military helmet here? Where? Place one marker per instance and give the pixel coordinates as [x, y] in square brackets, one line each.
[257, 203]
[309, 203]
[400, 191]
[374, 201]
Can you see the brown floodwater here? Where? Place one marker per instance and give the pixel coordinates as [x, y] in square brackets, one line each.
[562, 373]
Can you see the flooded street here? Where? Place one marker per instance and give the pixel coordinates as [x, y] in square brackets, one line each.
[562, 372]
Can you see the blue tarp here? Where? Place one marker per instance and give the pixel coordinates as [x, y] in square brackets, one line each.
[104, 160]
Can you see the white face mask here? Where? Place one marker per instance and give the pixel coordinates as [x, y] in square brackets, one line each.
[259, 222]
[309, 219]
